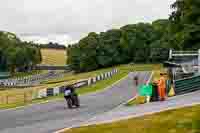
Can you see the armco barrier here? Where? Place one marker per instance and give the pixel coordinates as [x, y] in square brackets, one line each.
[78, 84]
[98, 77]
[50, 92]
[42, 93]
[102, 76]
[37, 94]
[89, 81]
[61, 89]
[81, 83]
[105, 75]
[94, 80]
[56, 90]
[187, 85]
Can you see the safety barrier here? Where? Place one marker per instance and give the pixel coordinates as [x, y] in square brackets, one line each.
[187, 85]
[29, 80]
[29, 95]
[85, 82]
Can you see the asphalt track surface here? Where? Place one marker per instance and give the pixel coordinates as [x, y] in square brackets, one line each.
[52, 116]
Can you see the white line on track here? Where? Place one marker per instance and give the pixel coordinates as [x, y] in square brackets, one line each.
[87, 124]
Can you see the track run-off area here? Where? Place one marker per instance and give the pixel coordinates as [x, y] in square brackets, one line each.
[53, 116]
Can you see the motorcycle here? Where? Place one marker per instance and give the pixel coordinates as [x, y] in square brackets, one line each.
[71, 97]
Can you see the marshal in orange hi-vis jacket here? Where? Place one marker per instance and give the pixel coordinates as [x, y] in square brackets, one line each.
[162, 87]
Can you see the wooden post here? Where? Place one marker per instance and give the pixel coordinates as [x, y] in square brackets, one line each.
[2, 101]
[7, 99]
[24, 97]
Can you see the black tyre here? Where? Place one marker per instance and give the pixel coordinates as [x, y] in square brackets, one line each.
[69, 103]
[77, 102]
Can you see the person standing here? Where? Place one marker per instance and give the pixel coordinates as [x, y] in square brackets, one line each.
[136, 80]
[162, 87]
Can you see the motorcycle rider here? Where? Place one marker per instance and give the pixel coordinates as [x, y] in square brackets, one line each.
[69, 90]
[71, 97]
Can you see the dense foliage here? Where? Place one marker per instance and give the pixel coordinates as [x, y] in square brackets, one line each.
[185, 24]
[131, 43]
[142, 42]
[16, 55]
[52, 45]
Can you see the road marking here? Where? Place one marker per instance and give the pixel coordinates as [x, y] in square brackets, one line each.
[149, 80]
[150, 77]
[135, 115]
[28, 105]
[47, 101]
[65, 129]
[87, 124]
[108, 87]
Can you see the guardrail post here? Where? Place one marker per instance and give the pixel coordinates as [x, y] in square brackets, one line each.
[89, 81]
[199, 60]
[170, 53]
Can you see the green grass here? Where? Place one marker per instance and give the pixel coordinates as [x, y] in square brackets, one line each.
[184, 120]
[102, 84]
[124, 70]
[84, 90]
[71, 76]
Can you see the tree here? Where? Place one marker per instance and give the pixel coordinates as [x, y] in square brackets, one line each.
[117, 46]
[17, 55]
[185, 24]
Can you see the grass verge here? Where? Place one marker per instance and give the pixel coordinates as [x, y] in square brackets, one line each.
[124, 70]
[184, 120]
[102, 84]
[84, 90]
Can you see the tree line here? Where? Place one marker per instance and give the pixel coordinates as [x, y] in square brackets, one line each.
[139, 43]
[52, 45]
[16, 55]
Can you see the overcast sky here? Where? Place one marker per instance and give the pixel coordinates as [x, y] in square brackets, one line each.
[66, 21]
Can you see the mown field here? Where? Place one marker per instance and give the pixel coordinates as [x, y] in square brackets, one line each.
[49, 57]
[184, 120]
[53, 56]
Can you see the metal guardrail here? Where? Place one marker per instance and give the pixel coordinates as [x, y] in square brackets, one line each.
[29, 95]
[49, 67]
[187, 85]
[185, 53]
[29, 80]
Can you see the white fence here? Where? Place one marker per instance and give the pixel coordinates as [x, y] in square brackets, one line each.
[87, 82]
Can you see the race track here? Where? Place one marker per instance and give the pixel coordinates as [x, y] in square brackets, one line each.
[50, 117]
